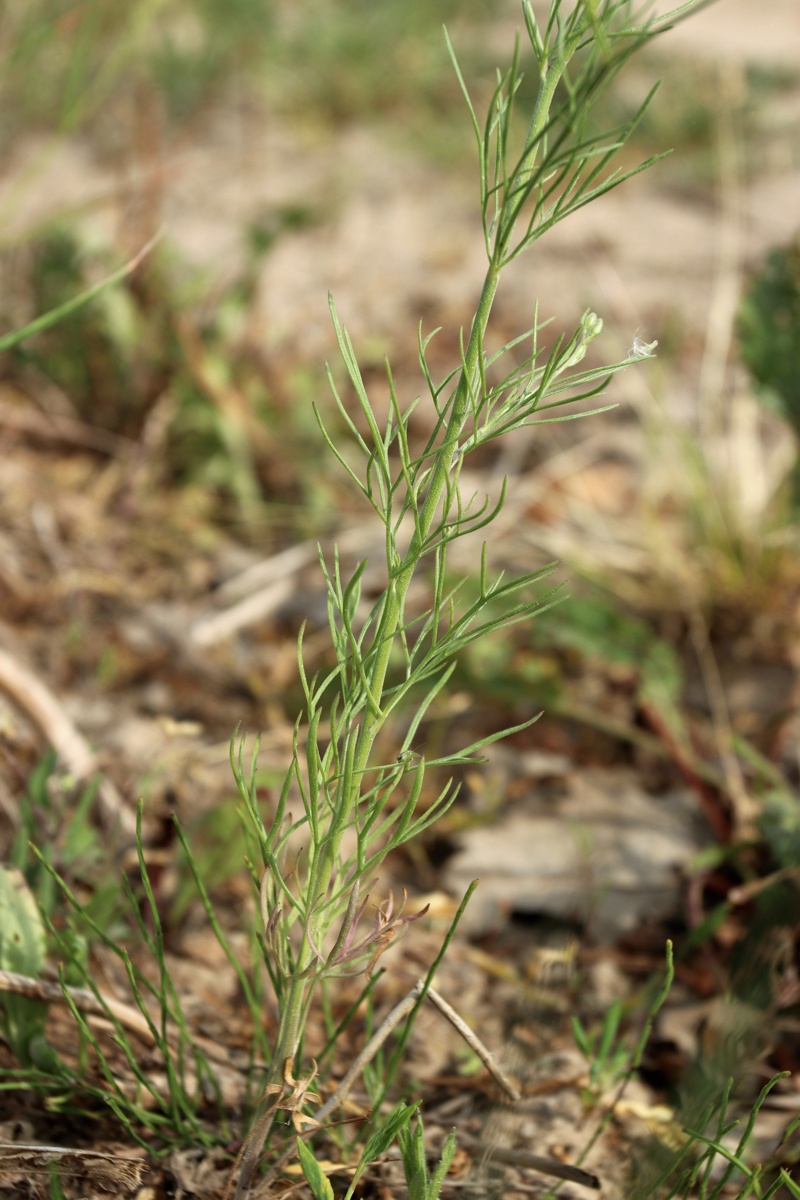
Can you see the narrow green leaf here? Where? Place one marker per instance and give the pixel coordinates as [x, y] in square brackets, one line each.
[443, 1166]
[22, 952]
[65, 310]
[315, 1177]
[382, 1138]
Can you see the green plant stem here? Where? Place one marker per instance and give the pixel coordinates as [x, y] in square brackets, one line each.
[395, 595]
[549, 78]
[549, 180]
[358, 753]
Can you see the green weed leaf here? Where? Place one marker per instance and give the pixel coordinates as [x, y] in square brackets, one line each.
[22, 951]
[316, 1178]
[382, 1139]
[421, 1185]
[22, 935]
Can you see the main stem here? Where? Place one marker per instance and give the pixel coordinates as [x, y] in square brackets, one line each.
[399, 583]
[290, 1031]
[549, 75]
[358, 756]
[359, 749]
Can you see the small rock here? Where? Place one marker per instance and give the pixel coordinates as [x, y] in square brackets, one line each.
[604, 852]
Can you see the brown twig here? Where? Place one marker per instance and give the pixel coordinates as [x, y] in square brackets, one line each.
[534, 1162]
[107, 1171]
[718, 819]
[58, 427]
[745, 808]
[84, 1001]
[130, 1018]
[474, 1042]
[38, 702]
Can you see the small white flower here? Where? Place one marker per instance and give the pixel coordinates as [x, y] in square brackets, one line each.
[641, 348]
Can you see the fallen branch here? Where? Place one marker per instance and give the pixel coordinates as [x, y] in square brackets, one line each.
[85, 1001]
[48, 714]
[107, 1171]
